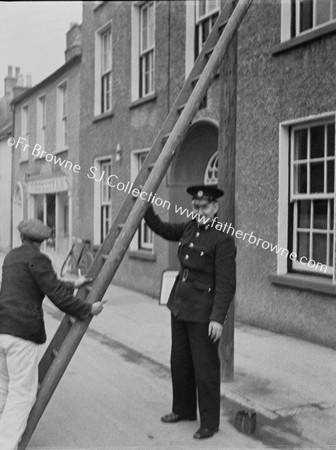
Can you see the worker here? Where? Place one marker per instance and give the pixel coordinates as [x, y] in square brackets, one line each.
[199, 302]
[27, 276]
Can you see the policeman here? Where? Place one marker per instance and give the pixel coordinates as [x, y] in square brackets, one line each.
[199, 302]
[28, 276]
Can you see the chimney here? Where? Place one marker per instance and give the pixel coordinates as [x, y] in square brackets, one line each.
[19, 81]
[29, 81]
[17, 72]
[73, 41]
[10, 81]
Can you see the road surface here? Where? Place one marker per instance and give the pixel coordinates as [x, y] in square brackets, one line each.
[111, 398]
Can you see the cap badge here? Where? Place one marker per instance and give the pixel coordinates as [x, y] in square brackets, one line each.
[200, 194]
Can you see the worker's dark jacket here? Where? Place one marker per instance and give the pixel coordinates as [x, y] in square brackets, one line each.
[27, 276]
[206, 283]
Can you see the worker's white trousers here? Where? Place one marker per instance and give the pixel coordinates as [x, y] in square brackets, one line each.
[18, 387]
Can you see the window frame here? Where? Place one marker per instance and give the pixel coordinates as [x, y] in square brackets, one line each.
[25, 122]
[138, 91]
[138, 243]
[101, 73]
[97, 202]
[291, 20]
[200, 20]
[62, 139]
[287, 215]
[41, 122]
[295, 197]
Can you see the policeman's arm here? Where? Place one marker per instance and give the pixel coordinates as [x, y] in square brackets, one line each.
[59, 292]
[169, 231]
[225, 279]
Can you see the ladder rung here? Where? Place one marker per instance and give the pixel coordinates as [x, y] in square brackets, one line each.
[208, 53]
[88, 288]
[194, 81]
[104, 257]
[150, 166]
[165, 138]
[180, 108]
[54, 352]
[222, 25]
[72, 319]
[120, 225]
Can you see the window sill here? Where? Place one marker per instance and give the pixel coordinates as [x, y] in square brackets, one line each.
[142, 255]
[103, 116]
[62, 150]
[304, 38]
[143, 100]
[21, 161]
[305, 282]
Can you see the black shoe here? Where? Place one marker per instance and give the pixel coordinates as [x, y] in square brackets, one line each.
[173, 418]
[204, 433]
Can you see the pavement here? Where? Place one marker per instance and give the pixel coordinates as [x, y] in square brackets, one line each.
[289, 383]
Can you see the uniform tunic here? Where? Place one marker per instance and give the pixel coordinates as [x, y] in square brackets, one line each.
[202, 292]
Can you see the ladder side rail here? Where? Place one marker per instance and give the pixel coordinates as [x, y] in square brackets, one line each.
[120, 247]
[141, 178]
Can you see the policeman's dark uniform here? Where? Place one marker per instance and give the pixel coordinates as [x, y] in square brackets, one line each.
[202, 292]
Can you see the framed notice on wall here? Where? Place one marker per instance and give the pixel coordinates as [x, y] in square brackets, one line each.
[167, 282]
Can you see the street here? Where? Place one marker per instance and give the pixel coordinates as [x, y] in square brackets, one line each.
[110, 398]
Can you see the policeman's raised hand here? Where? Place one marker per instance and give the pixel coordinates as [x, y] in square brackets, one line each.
[215, 330]
[97, 307]
[81, 281]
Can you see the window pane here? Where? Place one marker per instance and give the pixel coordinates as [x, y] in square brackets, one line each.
[301, 179]
[320, 248]
[331, 250]
[304, 214]
[331, 224]
[306, 14]
[151, 26]
[330, 176]
[205, 30]
[317, 142]
[303, 245]
[201, 7]
[144, 28]
[316, 178]
[212, 4]
[300, 144]
[322, 11]
[320, 219]
[331, 139]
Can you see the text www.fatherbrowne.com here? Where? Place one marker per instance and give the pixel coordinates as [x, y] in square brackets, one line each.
[113, 181]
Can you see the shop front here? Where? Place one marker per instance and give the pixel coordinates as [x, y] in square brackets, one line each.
[49, 201]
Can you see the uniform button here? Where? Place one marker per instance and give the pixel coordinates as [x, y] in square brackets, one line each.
[202, 253]
[191, 244]
[197, 234]
[186, 257]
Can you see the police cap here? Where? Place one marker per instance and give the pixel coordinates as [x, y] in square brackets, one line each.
[207, 192]
[34, 229]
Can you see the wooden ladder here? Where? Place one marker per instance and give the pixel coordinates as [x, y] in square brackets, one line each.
[70, 332]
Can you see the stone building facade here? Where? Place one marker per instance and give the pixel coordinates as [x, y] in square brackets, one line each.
[285, 146]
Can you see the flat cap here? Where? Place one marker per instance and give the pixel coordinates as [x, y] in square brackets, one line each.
[208, 192]
[34, 229]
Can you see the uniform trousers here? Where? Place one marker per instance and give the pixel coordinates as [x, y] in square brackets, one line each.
[195, 368]
[18, 387]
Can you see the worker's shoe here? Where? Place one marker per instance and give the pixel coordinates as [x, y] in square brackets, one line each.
[204, 433]
[173, 418]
